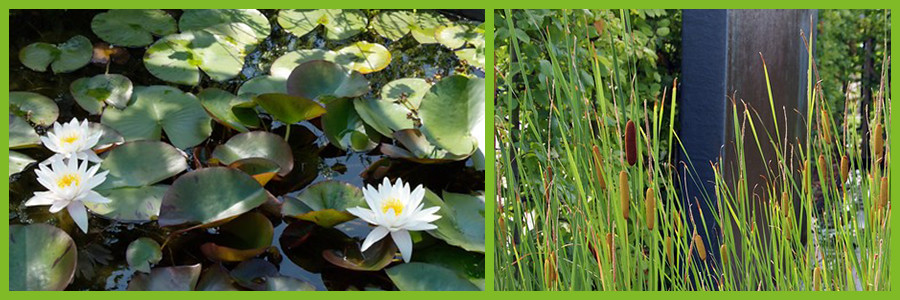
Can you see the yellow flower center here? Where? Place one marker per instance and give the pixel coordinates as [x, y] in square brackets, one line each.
[70, 139]
[394, 204]
[69, 180]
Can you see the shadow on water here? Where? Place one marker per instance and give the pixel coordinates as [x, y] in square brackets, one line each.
[101, 252]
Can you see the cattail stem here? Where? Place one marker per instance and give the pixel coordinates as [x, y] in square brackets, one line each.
[598, 163]
[623, 192]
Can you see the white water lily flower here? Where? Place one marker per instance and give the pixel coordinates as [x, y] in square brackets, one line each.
[72, 140]
[70, 184]
[395, 210]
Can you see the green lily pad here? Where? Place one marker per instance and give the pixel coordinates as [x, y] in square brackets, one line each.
[418, 149]
[216, 278]
[62, 58]
[141, 163]
[259, 144]
[378, 256]
[339, 24]
[220, 105]
[195, 19]
[93, 93]
[462, 219]
[452, 115]
[210, 195]
[132, 27]
[252, 274]
[289, 109]
[240, 239]
[131, 204]
[285, 283]
[394, 25]
[472, 56]
[141, 253]
[325, 203]
[261, 169]
[21, 134]
[161, 108]
[285, 64]
[363, 57]
[317, 78]
[41, 258]
[306, 161]
[394, 110]
[18, 162]
[178, 278]
[343, 126]
[416, 276]
[37, 108]
[108, 137]
[265, 84]
[459, 35]
[469, 265]
[178, 58]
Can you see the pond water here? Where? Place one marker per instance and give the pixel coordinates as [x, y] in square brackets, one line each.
[101, 252]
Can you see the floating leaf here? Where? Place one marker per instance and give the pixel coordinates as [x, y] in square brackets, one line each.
[416, 276]
[467, 264]
[256, 144]
[289, 109]
[41, 258]
[62, 58]
[141, 163]
[240, 239]
[452, 114]
[18, 162]
[418, 149]
[252, 274]
[261, 169]
[462, 219]
[284, 65]
[378, 256]
[108, 137]
[216, 278]
[263, 85]
[396, 24]
[220, 105]
[285, 283]
[343, 126]
[132, 27]
[325, 203]
[304, 242]
[34, 107]
[317, 78]
[339, 24]
[141, 253]
[210, 195]
[194, 19]
[306, 161]
[131, 204]
[93, 93]
[178, 278]
[21, 134]
[178, 58]
[457, 36]
[363, 57]
[161, 108]
[472, 56]
[394, 111]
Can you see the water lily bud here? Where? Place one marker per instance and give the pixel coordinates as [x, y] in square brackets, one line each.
[623, 192]
[698, 243]
[598, 163]
[630, 144]
[879, 140]
[845, 168]
[669, 254]
[650, 205]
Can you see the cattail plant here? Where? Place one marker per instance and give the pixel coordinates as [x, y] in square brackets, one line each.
[650, 205]
[598, 164]
[631, 154]
[624, 196]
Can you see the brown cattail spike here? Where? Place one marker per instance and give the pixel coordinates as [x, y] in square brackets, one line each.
[623, 192]
[845, 168]
[817, 279]
[879, 140]
[609, 244]
[630, 146]
[826, 127]
[698, 243]
[884, 193]
[598, 163]
[650, 205]
[822, 167]
[669, 255]
[786, 204]
[550, 271]
[723, 253]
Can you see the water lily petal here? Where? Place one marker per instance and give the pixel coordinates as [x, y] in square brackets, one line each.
[95, 197]
[79, 215]
[91, 156]
[40, 198]
[57, 206]
[364, 214]
[420, 226]
[376, 235]
[404, 243]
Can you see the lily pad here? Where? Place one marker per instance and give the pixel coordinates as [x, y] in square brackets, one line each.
[394, 111]
[220, 105]
[62, 58]
[261, 169]
[252, 274]
[178, 58]
[285, 283]
[34, 107]
[108, 137]
[472, 56]
[462, 219]
[141, 163]
[240, 239]
[325, 203]
[317, 78]
[306, 161]
[131, 204]
[141, 253]
[418, 149]
[216, 278]
[289, 109]
[256, 144]
[344, 127]
[396, 24]
[452, 115]
[339, 24]
[263, 85]
[364, 57]
[161, 108]
[378, 256]
[304, 242]
[194, 19]
[21, 134]
[132, 27]
[18, 162]
[416, 276]
[285, 64]
[93, 93]
[178, 278]
[210, 195]
[41, 257]
[467, 264]
[459, 35]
